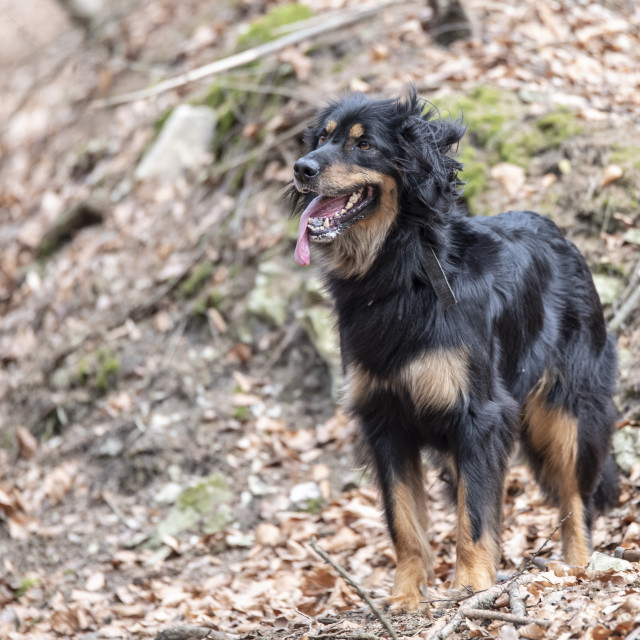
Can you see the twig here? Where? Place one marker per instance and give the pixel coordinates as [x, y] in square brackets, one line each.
[482, 600]
[281, 347]
[531, 561]
[485, 599]
[359, 590]
[484, 614]
[184, 632]
[625, 310]
[271, 90]
[245, 57]
[238, 161]
[633, 281]
[516, 602]
[632, 555]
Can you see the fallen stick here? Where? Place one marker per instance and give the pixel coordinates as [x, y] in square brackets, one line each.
[187, 632]
[485, 614]
[482, 600]
[359, 590]
[632, 555]
[532, 560]
[633, 301]
[516, 601]
[343, 19]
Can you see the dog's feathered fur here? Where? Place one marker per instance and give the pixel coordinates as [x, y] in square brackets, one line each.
[524, 352]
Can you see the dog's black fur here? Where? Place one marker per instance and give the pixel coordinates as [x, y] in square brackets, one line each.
[524, 352]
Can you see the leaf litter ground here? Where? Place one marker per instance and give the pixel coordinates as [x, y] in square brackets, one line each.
[129, 409]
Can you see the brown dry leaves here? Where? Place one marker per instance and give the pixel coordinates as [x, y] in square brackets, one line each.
[79, 502]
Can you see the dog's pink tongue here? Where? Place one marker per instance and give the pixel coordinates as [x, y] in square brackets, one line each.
[319, 207]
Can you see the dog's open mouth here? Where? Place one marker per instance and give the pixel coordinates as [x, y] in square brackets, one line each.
[328, 216]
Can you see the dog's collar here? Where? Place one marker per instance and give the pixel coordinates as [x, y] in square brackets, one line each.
[438, 279]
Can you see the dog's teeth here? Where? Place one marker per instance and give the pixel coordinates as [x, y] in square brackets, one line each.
[348, 205]
[326, 223]
[353, 198]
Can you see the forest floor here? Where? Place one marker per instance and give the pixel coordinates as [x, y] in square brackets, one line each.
[170, 442]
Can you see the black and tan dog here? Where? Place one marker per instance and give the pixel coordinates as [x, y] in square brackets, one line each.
[458, 335]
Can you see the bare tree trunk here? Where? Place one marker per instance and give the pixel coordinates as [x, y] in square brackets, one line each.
[449, 23]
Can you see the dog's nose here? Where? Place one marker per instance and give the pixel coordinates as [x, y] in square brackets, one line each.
[305, 169]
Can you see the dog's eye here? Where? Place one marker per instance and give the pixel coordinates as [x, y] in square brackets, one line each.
[322, 139]
[364, 145]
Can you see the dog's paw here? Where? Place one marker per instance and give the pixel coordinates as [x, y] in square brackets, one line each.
[409, 602]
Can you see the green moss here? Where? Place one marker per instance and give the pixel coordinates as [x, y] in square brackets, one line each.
[262, 29]
[7, 440]
[106, 373]
[83, 371]
[629, 156]
[242, 413]
[487, 95]
[201, 496]
[313, 505]
[196, 280]
[162, 120]
[475, 174]
[556, 127]
[215, 97]
[24, 586]
[496, 124]
[97, 370]
[486, 110]
[212, 300]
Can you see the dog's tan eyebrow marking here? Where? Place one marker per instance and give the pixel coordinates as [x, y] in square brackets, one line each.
[330, 127]
[356, 131]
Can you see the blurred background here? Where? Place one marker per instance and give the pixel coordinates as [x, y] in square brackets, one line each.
[170, 435]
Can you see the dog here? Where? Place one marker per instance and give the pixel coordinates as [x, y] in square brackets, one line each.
[459, 335]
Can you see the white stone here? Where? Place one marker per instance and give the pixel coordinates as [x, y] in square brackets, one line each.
[603, 562]
[184, 143]
[304, 493]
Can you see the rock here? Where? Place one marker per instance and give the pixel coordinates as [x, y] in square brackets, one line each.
[85, 12]
[319, 323]
[511, 177]
[603, 562]
[274, 286]
[203, 502]
[184, 143]
[626, 447]
[632, 236]
[609, 288]
[305, 496]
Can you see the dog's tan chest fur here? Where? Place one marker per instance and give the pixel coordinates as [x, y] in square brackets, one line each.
[435, 380]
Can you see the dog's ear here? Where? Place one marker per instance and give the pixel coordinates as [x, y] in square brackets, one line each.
[425, 140]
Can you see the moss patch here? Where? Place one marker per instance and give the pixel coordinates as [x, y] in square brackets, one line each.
[98, 370]
[196, 281]
[626, 156]
[263, 29]
[475, 174]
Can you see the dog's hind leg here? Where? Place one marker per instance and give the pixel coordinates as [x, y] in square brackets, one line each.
[551, 434]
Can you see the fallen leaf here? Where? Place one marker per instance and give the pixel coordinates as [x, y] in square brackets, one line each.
[610, 174]
[27, 443]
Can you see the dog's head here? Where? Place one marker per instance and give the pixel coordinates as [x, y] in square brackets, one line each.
[368, 160]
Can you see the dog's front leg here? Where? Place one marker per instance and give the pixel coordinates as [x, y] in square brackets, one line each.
[405, 504]
[480, 495]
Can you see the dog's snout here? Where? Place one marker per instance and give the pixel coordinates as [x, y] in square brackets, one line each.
[305, 169]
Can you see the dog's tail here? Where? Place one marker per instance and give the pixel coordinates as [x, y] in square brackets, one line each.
[608, 489]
